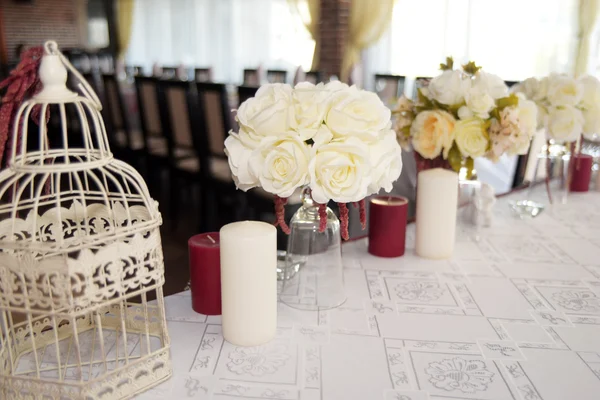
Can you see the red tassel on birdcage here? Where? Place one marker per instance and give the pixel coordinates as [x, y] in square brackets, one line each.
[22, 83]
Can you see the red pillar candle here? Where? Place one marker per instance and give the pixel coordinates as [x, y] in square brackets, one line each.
[205, 273]
[387, 226]
[581, 172]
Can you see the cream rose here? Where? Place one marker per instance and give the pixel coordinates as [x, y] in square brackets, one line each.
[340, 171]
[311, 102]
[432, 132]
[270, 112]
[479, 102]
[281, 164]
[471, 137]
[336, 86]
[591, 125]
[464, 112]
[564, 91]
[357, 113]
[490, 84]
[565, 124]
[527, 114]
[238, 156]
[533, 89]
[386, 159]
[450, 87]
[591, 92]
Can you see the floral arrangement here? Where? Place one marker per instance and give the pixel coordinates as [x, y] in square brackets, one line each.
[567, 107]
[463, 114]
[335, 139]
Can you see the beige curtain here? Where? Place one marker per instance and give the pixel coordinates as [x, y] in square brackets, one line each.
[310, 13]
[124, 22]
[368, 21]
[588, 15]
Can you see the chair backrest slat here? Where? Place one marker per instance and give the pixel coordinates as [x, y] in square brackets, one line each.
[216, 116]
[389, 87]
[203, 74]
[276, 76]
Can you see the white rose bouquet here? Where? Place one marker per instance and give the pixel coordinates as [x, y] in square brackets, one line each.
[463, 114]
[335, 139]
[567, 107]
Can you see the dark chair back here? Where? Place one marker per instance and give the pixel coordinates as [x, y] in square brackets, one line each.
[420, 81]
[134, 70]
[178, 112]
[169, 72]
[215, 115]
[146, 89]
[276, 76]
[389, 87]
[313, 77]
[203, 74]
[251, 77]
[245, 92]
[116, 111]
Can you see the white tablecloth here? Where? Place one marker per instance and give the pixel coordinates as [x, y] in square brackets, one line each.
[514, 315]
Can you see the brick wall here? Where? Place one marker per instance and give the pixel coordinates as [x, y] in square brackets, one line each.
[333, 28]
[35, 22]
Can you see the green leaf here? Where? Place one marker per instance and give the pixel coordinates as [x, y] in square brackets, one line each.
[470, 165]
[510, 101]
[449, 65]
[455, 158]
[405, 130]
[424, 100]
[471, 68]
[495, 113]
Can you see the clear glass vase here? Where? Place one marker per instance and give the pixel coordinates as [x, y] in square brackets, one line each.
[313, 278]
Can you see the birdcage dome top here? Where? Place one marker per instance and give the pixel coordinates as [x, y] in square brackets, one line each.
[63, 190]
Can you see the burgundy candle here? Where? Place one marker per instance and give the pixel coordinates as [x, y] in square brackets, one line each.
[387, 226]
[581, 172]
[205, 273]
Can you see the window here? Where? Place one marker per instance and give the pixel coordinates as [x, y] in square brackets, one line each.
[515, 39]
[227, 35]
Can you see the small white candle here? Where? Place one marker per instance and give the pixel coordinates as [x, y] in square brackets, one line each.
[249, 282]
[437, 198]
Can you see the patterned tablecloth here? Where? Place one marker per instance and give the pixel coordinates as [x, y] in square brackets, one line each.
[514, 315]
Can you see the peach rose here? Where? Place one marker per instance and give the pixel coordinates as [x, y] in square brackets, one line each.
[432, 133]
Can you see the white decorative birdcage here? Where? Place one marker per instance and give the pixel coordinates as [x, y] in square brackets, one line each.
[81, 267]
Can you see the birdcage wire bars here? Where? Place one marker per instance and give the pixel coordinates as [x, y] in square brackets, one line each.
[81, 267]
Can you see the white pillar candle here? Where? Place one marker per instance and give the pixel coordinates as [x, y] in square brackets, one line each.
[437, 198]
[249, 282]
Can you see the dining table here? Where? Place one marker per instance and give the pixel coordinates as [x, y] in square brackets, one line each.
[513, 314]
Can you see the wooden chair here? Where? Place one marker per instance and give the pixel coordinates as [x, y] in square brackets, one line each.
[155, 142]
[123, 140]
[251, 77]
[134, 70]
[420, 81]
[389, 87]
[276, 76]
[246, 92]
[203, 74]
[313, 77]
[215, 121]
[169, 72]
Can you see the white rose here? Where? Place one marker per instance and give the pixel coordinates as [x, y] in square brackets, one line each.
[564, 91]
[471, 137]
[565, 124]
[449, 88]
[591, 92]
[432, 132]
[281, 164]
[490, 84]
[336, 86]
[533, 89]
[238, 156]
[270, 112]
[386, 159]
[311, 102]
[591, 125]
[527, 114]
[340, 171]
[357, 113]
[464, 112]
[479, 102]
